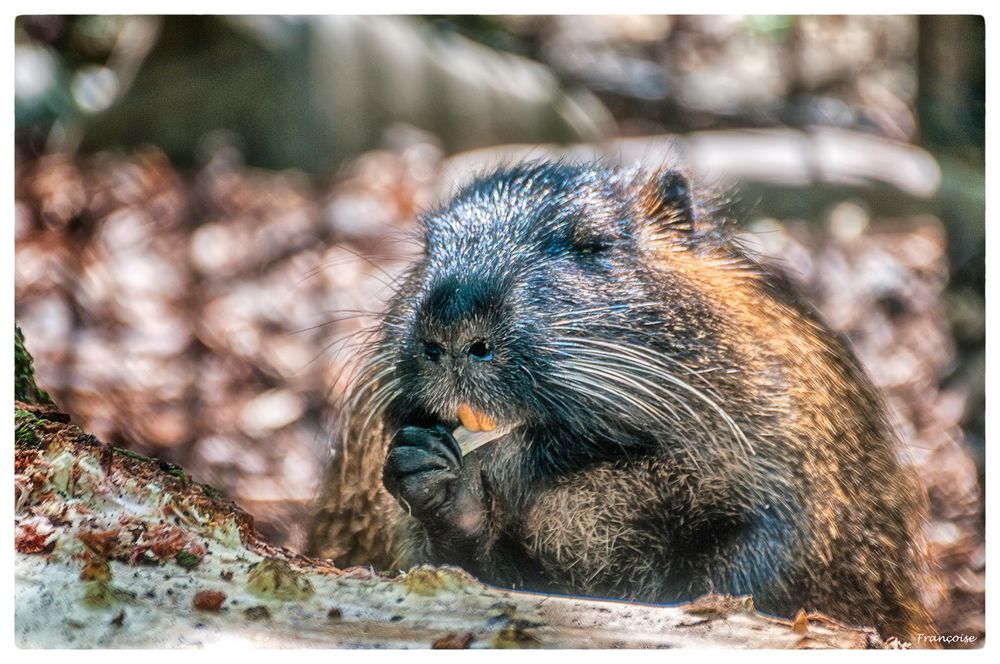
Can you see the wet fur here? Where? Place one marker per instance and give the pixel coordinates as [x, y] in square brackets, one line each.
[685, 424]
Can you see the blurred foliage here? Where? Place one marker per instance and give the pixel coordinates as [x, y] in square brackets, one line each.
[53, 57]
[680, 73]
[951, 102]
[288, 92]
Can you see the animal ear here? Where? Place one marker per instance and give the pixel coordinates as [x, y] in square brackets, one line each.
[668, 203]
[674, 193]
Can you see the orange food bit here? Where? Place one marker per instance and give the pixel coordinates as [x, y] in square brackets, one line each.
[486, 423]
[475, 420]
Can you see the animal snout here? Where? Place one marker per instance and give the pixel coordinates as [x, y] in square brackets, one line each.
[458, 318]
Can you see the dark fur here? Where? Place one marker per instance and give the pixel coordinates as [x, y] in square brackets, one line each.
[683, 424]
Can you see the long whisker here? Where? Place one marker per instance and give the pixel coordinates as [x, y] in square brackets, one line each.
[654, 390]
[600, 371]
[587, 389]
[355, 338]
[615, 397]
[349, 315]
[653, 366]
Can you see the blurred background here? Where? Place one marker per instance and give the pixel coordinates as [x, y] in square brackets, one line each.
[207, 207]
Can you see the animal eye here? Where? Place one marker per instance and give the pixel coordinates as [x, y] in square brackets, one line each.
[590, 245]
[586, 239]
[433, 351]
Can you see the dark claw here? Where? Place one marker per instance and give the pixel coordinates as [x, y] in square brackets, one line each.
[437, 441]
[449, 440]
[408, 460]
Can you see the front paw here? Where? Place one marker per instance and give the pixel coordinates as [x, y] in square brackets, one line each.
[423, 470]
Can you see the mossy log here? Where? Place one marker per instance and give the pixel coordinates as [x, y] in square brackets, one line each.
[116, 550]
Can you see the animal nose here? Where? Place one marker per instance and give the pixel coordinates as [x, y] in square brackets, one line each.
[455, 320]
[477, 350]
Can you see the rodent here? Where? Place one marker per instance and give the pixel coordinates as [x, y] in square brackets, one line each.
[676, 420]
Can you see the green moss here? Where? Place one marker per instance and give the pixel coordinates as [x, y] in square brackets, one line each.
[165, 466]
[186, 559]
[25, 388]
[26, 428]
[99, 594]
[132, 455]
[212, 492]
[275, 578]
[513, 637]
[431, 580]
[172, 469]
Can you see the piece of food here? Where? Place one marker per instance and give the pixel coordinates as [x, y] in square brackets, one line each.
[472, 440]
[475, 420]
